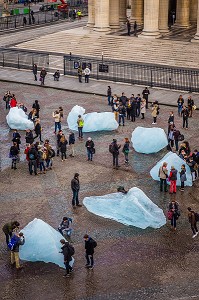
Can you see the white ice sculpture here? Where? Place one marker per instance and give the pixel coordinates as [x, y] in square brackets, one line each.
[17, 119]
[42, 243]
[133, 208]
[172, 159]
[149, 140]
[92, 121]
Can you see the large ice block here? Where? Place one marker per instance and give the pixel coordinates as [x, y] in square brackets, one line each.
[17, 119]
[42, 243]
[149, 140]
[92, 121]
[172, 159]
[133, 208]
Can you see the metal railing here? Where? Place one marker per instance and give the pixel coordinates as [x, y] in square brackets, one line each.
[135, 73]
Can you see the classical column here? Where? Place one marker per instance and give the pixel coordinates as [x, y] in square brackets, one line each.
[193, 11]
[182, 13]
[102, 15]
[114, 14]
[163, 16]
[123, 11]
[91, 13]
[137, 11]
[151, 19]
[196, 37]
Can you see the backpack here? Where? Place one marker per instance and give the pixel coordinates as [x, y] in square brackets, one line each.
[71, 250]
[181, 137]
[111, 148]
[51, 153]
[31, 156]
[13, 242]
[197, 217]
[94, 243]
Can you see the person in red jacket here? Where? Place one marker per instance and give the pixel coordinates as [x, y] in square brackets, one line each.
[13, 101]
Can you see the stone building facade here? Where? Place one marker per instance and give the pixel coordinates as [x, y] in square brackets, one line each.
[153, 15]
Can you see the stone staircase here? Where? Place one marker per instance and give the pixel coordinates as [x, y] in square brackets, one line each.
[83, 42]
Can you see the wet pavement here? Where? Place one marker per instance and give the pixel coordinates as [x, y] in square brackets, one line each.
[130, 263]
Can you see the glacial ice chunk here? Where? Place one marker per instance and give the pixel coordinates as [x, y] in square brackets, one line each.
[172, 159]
[92, 121]
[42, 243]
[17, 119]
[133, 208]
[148, 140]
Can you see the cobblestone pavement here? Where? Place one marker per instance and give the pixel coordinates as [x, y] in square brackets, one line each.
[130, 263]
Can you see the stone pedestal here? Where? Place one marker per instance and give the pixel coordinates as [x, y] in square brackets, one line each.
[123, 5]
[102, 16]
[182, 13]
[91, 13]
[151, 19]
[193, 11]
[163, 16]
[137, 11]
[114, 14]
[196, 37]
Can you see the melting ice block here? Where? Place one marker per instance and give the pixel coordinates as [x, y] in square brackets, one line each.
[148, 140]
[172, 159]
[42, 243]
[17, 119]
[133, 208]
[92, 121]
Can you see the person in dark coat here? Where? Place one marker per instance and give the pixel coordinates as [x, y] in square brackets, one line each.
[145, 94]
[115, 152]
[16, 138]
[29, 137]
[34, 70]
[75, 186]
[14, 155]
[128, 24]
[192, 221]
[185, 116]
[8, 229]
[15, 251]
[67, 257]
[56, 75]
[59, 135]
[109, 95]
[90, 244]
[36, 106]
[174, 208]
[90, 148]
[32, 155]
[62, 146]
[72, 144]
[43, 74]
[38, 130]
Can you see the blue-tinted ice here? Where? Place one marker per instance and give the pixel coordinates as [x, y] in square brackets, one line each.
[42, 243]
[17, 119]
[92, 121]
[148, 140]
[173, 160]
[133, 208]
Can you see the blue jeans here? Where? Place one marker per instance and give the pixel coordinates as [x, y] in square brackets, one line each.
[75, 200]
[90, 154]
[121, 118]
[109, 100]
[80, 132]
[41, 166]
[179, 110]
[68, 267]
[32, 163]
[173, 221]
[57, 126]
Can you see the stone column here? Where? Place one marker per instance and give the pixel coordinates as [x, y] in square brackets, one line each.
[182, 13]
[137, 11]
[91, 13]
[123, 16]
[151, 19]
[102, 15]
[196, 37]
[163, 16]
[193, 11]
[114, 14]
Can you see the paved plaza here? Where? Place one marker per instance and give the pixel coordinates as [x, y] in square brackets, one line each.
[130, 263]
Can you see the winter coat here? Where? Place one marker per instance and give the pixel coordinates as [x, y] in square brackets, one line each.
[116, 148]
[37, 128]
[66, 253]
[71, 139]
[173, 175]
[183, 175]
[21, 241]
[89, 246]
[143, 107]
[29, 137]
[154, 111]
[192, 218]
[75, 185]
[13, 102]
[34, 152]
[163, 172]
[14, 151]
[62, 146]
[90, 144]
[8, 227]
[43, 73]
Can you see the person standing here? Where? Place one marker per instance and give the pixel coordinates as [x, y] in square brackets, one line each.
[183, 177]
[190, 104]
[143, 108]
[67, 256]
[14, 154]
[125, 150]
[133, 108]
[176, 134]
[173, 179]
[90, 245]
[155, 112]
[180, 103]
[56, 75]
[20, 240]
[56, 116]
[80, 124]
[62, 146]
[128, 109]
[128, 24]
[42, 156]
[87, 74]
[16, 138]
[109, 95]
[36, 106]
[122, 113]
[163, 175]
[123, 99]
[174, 208]
[32, 155]
[145, 94]
[115, 110]
[43, 74]
[13, 101]
[90, 148]
[114, 150]
[29, 137]
[38, 130]
[138, 104]
[79, 73]
[8, 229]
[34, 70]
[72, 144]
[185, 116]
[192, 221]
[75, 186]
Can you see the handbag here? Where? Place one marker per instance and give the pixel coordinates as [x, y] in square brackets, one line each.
[194, 107]
[181, 137]
[169, 215]
[93, 150]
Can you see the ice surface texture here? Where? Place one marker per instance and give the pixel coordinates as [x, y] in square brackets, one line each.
[173, 160]
[17, 119]
[133, 208]
[42, 243]
[93, 121]
[148, 140]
